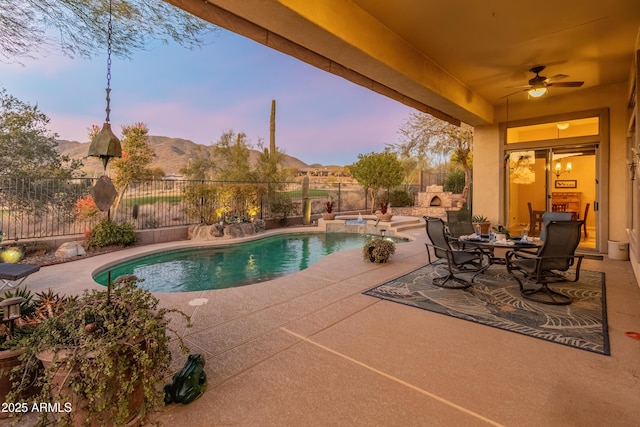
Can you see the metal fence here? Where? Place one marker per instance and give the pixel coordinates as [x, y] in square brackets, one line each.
[38, 208]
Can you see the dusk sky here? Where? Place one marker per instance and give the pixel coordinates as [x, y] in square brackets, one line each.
[227, 84]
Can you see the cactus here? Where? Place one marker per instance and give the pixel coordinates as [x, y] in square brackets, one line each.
[306, 202]
[272, 131]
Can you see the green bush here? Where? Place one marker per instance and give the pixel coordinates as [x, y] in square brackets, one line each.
[283, 207]
[454, 182]
[107, 233]
[400, 198]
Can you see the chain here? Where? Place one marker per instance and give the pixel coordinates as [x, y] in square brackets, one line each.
[109, 33]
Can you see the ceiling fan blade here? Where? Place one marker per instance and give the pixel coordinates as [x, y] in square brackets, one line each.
[513, 93]
[566, 84]
[556, 77]
[519, 87]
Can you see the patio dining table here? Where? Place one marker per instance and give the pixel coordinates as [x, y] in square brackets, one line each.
[512, 244]
[12, 275]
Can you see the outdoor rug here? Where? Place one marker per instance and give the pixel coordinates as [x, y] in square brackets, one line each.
[494, 300]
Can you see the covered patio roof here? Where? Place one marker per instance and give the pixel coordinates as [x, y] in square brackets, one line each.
[457, 60]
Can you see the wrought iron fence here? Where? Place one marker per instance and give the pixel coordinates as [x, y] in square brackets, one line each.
[38, 208]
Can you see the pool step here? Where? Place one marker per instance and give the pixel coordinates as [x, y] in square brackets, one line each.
[404, 223]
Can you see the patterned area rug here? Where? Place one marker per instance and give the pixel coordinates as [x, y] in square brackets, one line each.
[494, 300]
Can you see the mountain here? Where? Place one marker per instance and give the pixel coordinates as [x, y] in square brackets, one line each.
[172, 154]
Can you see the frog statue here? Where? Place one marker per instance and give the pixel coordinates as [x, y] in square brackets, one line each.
[189, 383]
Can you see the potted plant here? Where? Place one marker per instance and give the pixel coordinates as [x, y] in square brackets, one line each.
[31, 312]
[10, 333]
[384, 214]
[502, 233]
[329, 215]
[105, 357]
[378, 250]
[483, 222]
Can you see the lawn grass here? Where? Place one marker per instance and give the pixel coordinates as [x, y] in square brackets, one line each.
[312, 193]
[149, 200]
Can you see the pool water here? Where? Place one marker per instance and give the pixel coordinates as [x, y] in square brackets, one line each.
[185, 270]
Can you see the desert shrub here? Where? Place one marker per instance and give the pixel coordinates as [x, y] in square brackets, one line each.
[107, 233]
[400, 198]
[86, 208]
[454, 182]
[283, 207]
[201, 202]
[210, 203]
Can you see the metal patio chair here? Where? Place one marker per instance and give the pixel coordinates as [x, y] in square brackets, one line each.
[458, 261]
[535, 271]
[547, 217]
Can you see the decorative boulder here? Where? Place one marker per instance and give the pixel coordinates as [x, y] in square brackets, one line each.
[239, 230]
[70, 250]
[206, 232]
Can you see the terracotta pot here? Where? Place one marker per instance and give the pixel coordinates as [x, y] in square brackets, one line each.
[328, 216]
[385, 217]
[77, 413]
[484, 227]
[10, 359]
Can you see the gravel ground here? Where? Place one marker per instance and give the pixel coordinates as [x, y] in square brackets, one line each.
[50, 258]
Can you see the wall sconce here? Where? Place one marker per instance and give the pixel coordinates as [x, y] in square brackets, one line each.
[562, 125]
[557, 170]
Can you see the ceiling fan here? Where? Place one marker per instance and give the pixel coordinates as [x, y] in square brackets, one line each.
[539, 85]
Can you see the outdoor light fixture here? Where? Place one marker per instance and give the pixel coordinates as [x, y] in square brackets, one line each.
[105, 144]
[11, 310]
[559, 171]
[563, 125]
[537, 92]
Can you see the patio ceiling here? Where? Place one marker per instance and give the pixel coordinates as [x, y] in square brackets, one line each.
[456, 59]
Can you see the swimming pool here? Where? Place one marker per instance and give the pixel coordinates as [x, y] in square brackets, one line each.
[217, 267]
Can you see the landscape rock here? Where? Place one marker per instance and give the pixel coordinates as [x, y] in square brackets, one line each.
[70, 250]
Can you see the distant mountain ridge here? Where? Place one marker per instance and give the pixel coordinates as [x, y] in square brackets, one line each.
[172, 154]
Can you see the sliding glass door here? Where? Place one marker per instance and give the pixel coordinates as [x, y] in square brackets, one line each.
[561, 179]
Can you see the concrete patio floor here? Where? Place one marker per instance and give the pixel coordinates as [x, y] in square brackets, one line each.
[310, 350]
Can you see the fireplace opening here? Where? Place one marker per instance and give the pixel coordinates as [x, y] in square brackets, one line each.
[435, 201]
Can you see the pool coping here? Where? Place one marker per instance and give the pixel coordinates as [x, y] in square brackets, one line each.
[75, 277]
[221, 243]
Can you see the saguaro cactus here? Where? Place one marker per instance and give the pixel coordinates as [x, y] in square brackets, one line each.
[306, 202]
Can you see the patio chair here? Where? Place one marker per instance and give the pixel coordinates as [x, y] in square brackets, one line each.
[458, 261]
[459, 224]
[547, 217]
[534, 272]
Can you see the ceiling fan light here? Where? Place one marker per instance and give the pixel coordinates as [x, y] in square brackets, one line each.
[537, 92]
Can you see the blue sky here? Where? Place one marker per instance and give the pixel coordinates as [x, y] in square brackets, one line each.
[198, 94]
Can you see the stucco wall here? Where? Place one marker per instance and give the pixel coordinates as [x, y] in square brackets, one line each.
[487, 161]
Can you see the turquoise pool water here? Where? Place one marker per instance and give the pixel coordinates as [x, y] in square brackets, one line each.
[185, 270]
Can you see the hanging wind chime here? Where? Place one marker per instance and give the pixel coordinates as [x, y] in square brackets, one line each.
[105, 144]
